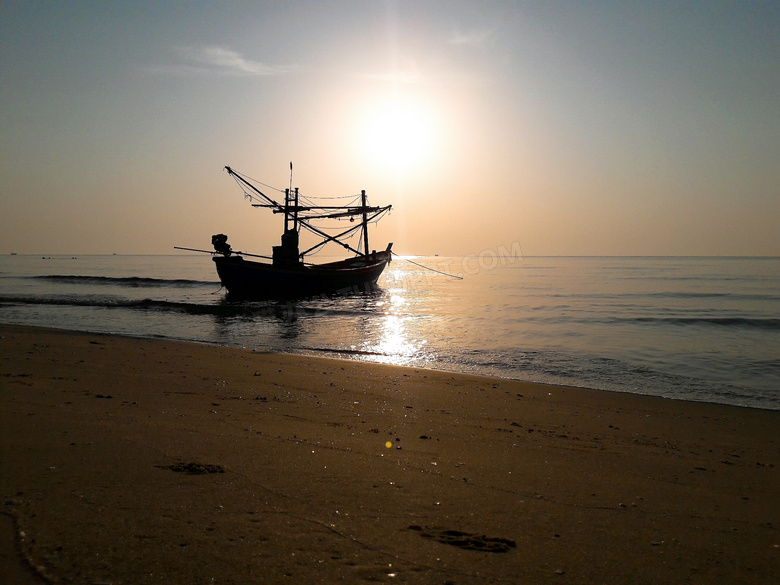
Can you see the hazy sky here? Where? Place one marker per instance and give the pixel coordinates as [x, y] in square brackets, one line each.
[583, 127]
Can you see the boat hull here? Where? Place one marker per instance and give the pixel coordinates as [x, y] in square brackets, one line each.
[248, 279]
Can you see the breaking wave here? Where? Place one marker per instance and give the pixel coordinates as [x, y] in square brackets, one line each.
[129, 281]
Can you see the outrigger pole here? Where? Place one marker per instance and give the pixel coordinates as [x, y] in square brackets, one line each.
[212, 252]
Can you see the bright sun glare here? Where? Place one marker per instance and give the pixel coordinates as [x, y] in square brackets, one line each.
[398, 135]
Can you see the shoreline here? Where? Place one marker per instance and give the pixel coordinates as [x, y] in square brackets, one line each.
[136, 460]
[334, 354]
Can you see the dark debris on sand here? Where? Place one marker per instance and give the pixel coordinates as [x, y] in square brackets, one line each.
[194, 468]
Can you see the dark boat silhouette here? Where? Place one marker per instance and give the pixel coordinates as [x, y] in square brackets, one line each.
[287, 275]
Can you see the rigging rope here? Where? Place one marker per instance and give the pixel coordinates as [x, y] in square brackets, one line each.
[247, 177]
[334, 196]
[429, 268]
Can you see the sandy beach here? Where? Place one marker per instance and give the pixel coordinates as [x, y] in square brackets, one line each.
[134, 461]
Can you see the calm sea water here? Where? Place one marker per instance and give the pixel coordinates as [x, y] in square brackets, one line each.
[688, 328]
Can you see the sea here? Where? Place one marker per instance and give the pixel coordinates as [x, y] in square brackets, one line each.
[688, 328]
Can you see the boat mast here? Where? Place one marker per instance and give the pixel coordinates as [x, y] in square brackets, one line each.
[364, 205]
[288, 254]
[295, 212]
[286, 210]
[291, 209]
[288, 205]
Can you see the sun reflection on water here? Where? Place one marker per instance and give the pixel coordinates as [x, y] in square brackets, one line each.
[394, 342]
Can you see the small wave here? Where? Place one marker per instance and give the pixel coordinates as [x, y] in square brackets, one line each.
[285, 311]
[129, 281]
[345, 351]
[744, 322]
[145, 304]
[709, 295]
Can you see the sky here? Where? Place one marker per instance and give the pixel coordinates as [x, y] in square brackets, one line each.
[550, 127]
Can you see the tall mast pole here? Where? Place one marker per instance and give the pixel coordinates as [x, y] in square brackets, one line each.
[287, 197]
[286, 210]
[295, 211]
[364, 203]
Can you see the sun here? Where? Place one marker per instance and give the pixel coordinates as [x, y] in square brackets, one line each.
[397, 135]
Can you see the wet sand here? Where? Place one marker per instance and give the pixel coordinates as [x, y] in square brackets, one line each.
[138, 461]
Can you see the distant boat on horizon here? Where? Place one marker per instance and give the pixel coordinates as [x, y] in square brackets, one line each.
[287, 275]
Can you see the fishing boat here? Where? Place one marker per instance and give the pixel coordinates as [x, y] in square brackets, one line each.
[288, 275]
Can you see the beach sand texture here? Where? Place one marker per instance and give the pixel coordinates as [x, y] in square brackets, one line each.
[134, 461]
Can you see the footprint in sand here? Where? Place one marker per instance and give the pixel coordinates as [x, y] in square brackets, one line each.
[465, 540]
[194, 468]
